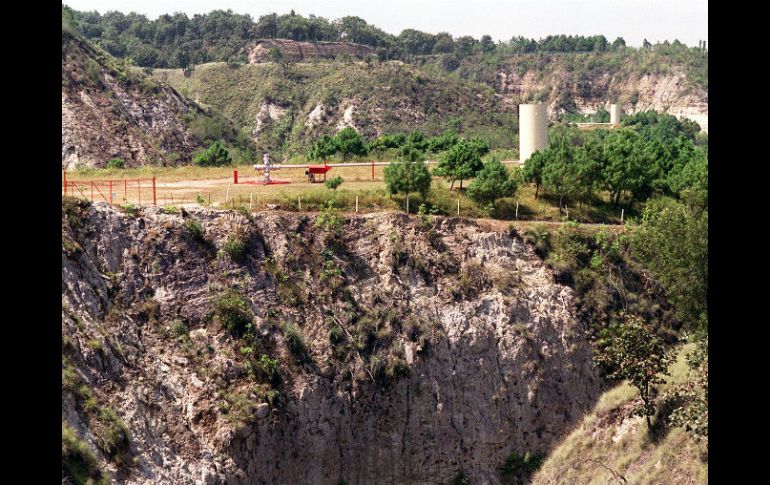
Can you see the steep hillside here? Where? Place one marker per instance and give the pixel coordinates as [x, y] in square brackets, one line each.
[289, 108]
[109, 112]
[612, 445]
[206, 346]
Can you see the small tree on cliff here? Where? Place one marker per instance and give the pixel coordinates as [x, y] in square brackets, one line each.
[638, 354]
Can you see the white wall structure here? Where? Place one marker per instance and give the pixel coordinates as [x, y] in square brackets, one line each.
[615, 114]
[533, 129]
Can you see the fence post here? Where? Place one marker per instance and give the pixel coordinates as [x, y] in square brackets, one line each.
[251, 199]
[517, 210]
[154, 200]
[372, 169]
[235, 177]
[110, 192]
[458, 207]
[621, 215]
[356, 202]
[139, 191]
[227, 195]
[125, 191]
[407, 203]
[299, 202]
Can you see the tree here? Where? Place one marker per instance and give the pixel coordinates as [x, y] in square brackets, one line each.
[323, 148]
[183, 58]
[638, 355]
[349, 142]
[626, 170]
[333, 183]
[417, 140]
[442, 142]
[487, 44]
[462, 161]
[672, 242]
[491, 183]
[533, 169]
[214, 156]
[408, 174]
[560, 172]
[618, 43]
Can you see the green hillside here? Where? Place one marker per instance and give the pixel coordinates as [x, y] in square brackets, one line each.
[379, 97]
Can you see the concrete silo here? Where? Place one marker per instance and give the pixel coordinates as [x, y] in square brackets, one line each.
[533, 129]
[615, 114]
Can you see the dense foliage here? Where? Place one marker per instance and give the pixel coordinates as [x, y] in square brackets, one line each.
[654, 154]
[180, 41]
[639, 355]
[214, 156]
[672, 241]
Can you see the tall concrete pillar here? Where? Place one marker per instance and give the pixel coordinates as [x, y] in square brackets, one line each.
[533, 129]
[615, 114]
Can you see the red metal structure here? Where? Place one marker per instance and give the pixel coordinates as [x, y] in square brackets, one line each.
[313, 170]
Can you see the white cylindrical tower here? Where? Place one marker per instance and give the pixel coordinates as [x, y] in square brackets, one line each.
[533, 129]
[615, 114]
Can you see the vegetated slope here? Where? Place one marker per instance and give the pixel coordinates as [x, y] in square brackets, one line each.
[583, 82]
[259, 50]
[611, 442]
[287, 348]
[288, 109]
[109, 112]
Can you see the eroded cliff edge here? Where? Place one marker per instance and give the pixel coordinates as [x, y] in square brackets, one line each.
[382, 348]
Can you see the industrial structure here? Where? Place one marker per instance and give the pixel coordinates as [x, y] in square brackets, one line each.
[615, 114]
[533, 129]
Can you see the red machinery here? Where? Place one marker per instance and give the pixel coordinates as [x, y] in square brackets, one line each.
[313, 170]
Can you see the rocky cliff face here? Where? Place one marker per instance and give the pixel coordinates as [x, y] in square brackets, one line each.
[562, 90]
[304, 51]
[405, 349]
[108, 112]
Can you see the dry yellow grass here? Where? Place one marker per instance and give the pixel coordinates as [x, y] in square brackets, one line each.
[609, 443]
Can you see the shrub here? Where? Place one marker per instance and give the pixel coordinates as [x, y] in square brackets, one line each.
[116, 163]
[333, 183]
[521, 467]
[234, 312]
[129, 209]
[170, 209]
[295, 342]
[330, 219]
[178, 328]
[194, 229]
[269, 367]
[235, 246]
[79, 464]
[215, 155]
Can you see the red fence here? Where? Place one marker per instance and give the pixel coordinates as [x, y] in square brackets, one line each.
[139, 191]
